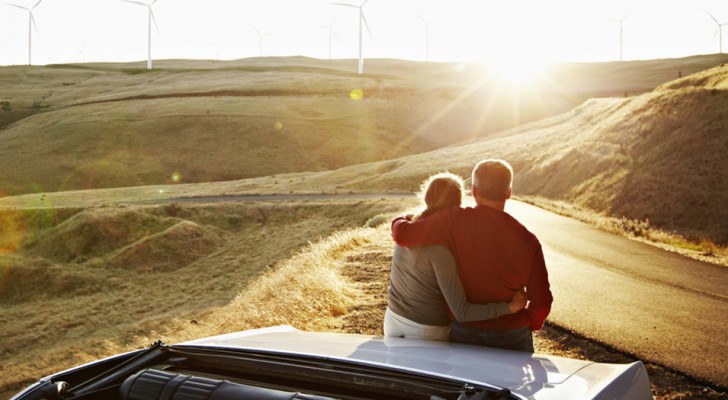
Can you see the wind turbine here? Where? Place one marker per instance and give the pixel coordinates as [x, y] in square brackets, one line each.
[621, 33]
[216, 46]
[83, 53]
[719, 31]
[149, 28]
[332, 33]
[362, 22]
[260, 41]
[31, 24]
[427, 37]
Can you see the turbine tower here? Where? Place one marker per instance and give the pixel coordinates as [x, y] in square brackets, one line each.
[261, 36]
[621, 34]
[719, 32]
[427, 37]
[31, 24]
[362, 22]
[151, 20]
[332, 33]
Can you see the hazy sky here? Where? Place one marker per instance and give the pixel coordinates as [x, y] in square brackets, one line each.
[459, 30]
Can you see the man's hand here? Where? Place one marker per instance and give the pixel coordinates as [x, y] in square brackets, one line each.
[518, 302]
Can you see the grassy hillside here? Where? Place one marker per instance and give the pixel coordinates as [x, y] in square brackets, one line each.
[88, 273]
[661, 156]
[77, 284]
[658, 156]
[68, 127]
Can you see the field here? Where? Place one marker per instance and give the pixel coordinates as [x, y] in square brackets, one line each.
[262, 270]
[88, 282]
[94, 260]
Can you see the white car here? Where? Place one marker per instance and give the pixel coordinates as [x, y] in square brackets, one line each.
[285, 363]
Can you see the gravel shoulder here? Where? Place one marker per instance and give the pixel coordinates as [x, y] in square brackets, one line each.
[368, 268]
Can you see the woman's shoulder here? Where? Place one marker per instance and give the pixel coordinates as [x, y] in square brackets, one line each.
[437, 251]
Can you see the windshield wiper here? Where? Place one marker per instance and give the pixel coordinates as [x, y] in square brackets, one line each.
[327, 376]
[117, 374]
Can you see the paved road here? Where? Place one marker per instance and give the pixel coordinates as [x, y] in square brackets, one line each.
[649, 302]
[281, 197]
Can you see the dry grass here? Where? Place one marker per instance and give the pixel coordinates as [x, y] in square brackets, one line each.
[196, 259]
[101, 126]
[119, 282]
[305, 291]
[624, 156]
[704, 250]
[353, 264]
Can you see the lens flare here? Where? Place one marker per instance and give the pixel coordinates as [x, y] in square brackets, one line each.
[12, 231]
[356, 94]
[176, 177]
[278, 125]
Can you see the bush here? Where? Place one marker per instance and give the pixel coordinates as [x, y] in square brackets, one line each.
[376, 220]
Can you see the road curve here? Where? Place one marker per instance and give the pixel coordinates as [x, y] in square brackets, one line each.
[657, 305]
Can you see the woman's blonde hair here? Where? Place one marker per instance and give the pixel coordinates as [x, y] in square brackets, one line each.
[440, 191]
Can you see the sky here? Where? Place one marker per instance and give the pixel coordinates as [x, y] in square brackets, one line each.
[508, 32]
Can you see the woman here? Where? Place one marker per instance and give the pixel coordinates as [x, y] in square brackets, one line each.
[424, 280]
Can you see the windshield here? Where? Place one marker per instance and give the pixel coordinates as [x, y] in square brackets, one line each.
[177, 372]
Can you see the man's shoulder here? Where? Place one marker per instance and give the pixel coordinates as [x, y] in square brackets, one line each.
[505, 221]
[518, 226]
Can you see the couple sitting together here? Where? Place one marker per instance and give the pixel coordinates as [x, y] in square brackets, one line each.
[470, 275]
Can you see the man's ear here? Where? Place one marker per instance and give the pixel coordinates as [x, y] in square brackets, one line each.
[474, 192]
[508, 195]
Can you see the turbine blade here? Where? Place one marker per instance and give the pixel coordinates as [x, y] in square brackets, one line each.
[345, 5]
[136, 2]
[36, 4]
[711, 16]
[364, 18]
[362, 4]
[154, 20]
[152, 3]
[17, 6]
[32, 20]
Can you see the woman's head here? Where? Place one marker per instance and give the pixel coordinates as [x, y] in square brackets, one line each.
[441, 191]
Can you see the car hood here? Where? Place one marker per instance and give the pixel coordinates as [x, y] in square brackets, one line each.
[536, 376]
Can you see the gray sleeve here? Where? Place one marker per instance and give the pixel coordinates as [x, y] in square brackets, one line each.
[452, 289]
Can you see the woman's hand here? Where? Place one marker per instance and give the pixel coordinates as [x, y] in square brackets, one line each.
[519, 301]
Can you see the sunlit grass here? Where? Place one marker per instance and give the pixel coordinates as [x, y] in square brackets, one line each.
[703, 249]
[100, 304]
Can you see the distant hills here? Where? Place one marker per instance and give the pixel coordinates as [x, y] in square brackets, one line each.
[661, 156]
[87, 126]
[642, 139]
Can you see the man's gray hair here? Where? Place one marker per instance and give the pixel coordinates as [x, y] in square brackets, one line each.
[492, 179]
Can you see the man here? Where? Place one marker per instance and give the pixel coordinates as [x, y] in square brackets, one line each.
[496, 256]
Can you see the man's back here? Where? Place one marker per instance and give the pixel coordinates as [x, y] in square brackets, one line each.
[495, 255]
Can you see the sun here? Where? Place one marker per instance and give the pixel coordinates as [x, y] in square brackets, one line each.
[516, 71]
